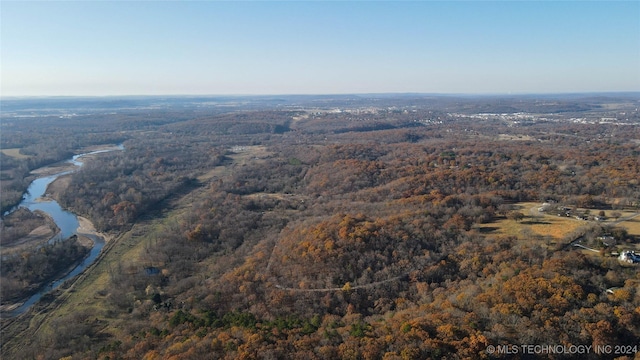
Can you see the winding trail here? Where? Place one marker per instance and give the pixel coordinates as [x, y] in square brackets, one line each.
[623, 219]
[354, 287]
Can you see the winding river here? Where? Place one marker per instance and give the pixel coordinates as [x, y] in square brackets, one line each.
[65, 220]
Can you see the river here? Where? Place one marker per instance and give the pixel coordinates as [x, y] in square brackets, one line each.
[65, 220]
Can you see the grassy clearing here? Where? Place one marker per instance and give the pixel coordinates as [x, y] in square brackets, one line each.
[544, 226]
[556, 228]
[537, 225]
[241, 155]
[534, 224]
[15, 153]
[517, 137]
[632, 225]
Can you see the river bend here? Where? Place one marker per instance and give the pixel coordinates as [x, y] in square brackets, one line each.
[67, 222]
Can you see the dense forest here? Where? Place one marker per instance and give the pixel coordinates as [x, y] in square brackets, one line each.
[348, 229]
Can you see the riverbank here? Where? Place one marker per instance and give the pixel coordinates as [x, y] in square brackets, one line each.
[66, 261]
[16, 294]
[66, 165]
[57, 186]
[86, 233]
[53, 169]
[87, 228]
[89, 238]
[37, 236]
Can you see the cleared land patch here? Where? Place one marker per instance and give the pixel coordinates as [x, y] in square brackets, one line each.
[632, 225]
[534, 224]
[550, 227]
[515, 137]
[240, 156]
[545, 226]
[15, 153]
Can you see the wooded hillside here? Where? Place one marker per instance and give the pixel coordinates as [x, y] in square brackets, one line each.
[322, 235]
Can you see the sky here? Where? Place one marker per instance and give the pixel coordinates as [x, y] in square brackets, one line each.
[101, 48]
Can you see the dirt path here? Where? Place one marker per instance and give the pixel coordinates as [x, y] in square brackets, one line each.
[623, 219]
[353, 287]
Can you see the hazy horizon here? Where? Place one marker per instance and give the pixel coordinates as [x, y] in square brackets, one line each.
[81, 49]
[391, 94]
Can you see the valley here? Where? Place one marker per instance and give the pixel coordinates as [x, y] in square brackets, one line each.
[347, 227]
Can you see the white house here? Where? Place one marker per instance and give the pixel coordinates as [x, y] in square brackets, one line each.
[630, 257]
